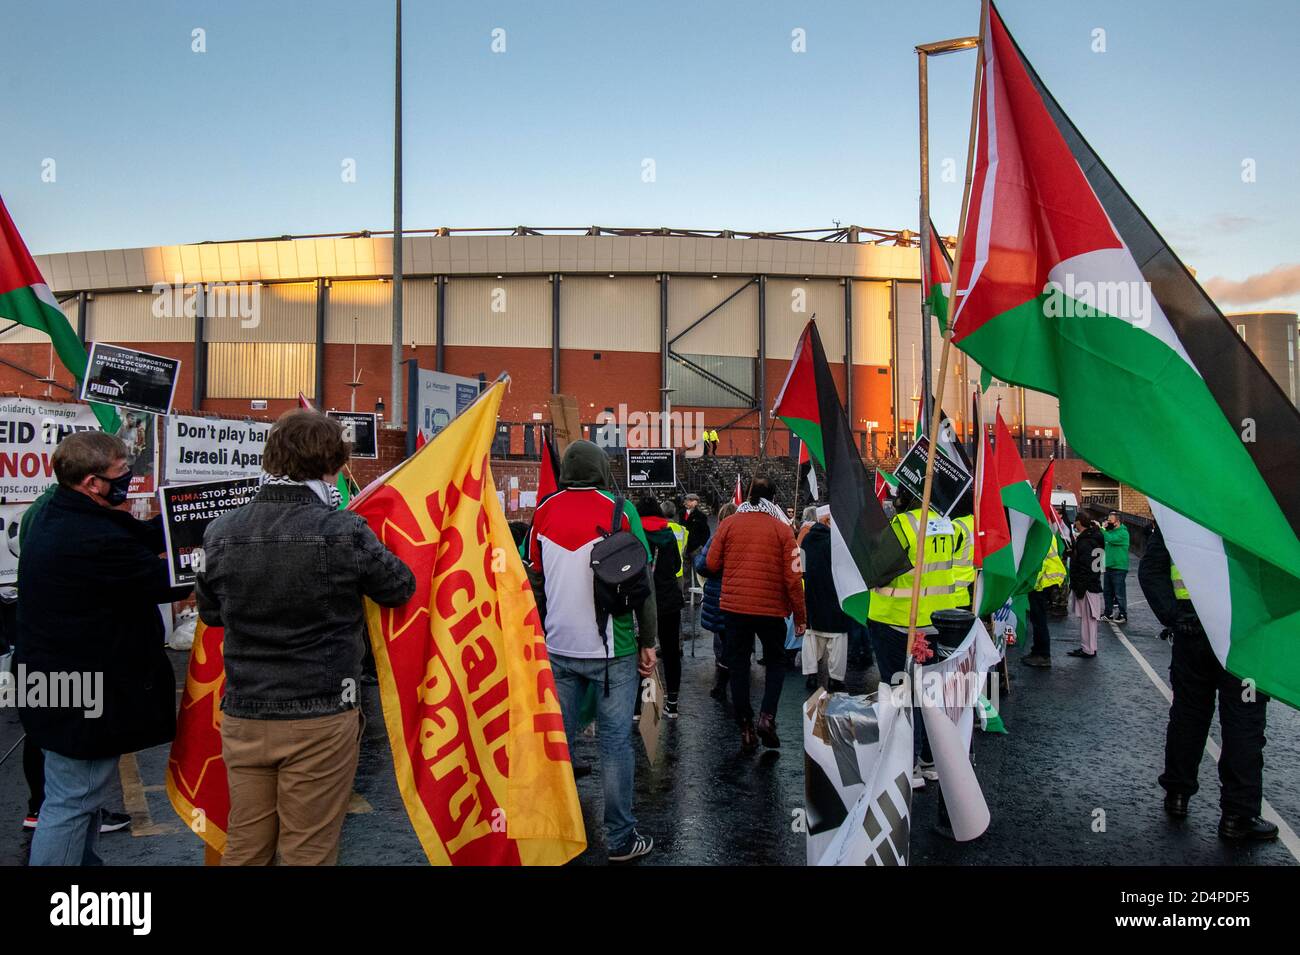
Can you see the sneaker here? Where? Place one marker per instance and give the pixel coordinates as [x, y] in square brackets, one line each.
[670, 708]
[1035, 660]
[927, 771]
[635, 847]
[113, 821]
[29, 822]
[1119, 619]
[918, 781]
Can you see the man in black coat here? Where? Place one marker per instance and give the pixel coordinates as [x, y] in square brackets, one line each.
[828, 624]
[94, 679]
[1198, 677]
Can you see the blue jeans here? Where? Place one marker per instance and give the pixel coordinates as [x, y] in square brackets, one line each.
[75, 793]
[1115, 591]
[613, 730]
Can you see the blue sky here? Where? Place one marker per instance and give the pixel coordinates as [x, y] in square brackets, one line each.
[155, 143]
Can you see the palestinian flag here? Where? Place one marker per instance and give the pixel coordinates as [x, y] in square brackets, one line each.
[993, 552]
[807, 473]
[1031, 537]
[548, 477]
[1069, 290]
[886, 485]
[865, 552]
[938, 279]
[1044, 495]
[27, 300]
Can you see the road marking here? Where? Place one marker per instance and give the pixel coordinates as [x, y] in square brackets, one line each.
[1285, 833]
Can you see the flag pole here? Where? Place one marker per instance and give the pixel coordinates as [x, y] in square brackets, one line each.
[947, 336]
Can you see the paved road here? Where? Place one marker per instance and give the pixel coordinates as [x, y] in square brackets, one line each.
[1084, 736]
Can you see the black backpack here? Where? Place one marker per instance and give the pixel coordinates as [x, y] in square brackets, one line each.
[619, 572]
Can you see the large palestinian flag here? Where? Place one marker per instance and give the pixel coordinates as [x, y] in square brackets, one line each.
[938, 279]
[27, 300]
[865, 552]
[1069, 290]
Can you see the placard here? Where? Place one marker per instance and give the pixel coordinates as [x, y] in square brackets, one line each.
[130, 379]
[441, 398]
[139, 431]
[361, 430]
[29, 432]
[187, 510]
[651, 467]
[208, 449]
[950, 481]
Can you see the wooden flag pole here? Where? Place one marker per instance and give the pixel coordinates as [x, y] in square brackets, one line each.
[919, 569]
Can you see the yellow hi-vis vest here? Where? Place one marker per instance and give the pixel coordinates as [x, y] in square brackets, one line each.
[1052, 573]
[1180, 588]
[680, 533]
[963, 558]
[892, 603]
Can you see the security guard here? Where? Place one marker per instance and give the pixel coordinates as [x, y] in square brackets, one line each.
[1198, 677]
[679, 532]
[1051, 574]
[963, 559]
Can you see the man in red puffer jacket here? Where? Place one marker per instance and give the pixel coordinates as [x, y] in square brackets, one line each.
[761, 586]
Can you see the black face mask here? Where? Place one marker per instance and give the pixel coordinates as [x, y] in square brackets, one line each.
[118, 488]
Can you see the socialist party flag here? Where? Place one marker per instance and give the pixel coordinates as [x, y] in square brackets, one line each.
[27, 300]
[1068, 289]
[865, 551]
[196, 773]
[473, 720]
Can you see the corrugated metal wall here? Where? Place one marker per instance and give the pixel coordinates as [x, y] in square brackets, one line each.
[604, 314]
[524, 319]
[138, 316]
[261, 369]
[732, 330]
[21, 334]
[279, 313]
[691, 389]
[821, 297]
[871, 327]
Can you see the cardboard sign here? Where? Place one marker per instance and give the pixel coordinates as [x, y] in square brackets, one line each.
[950, 479]
[567, 426]
[130, 379]
[651, 467]
[652, 714]
[361, 430]
[187, 510]
[209, 449]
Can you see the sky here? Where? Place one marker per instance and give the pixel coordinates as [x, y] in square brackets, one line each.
[123, 127]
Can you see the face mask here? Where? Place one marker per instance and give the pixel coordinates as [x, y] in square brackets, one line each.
[117, 488]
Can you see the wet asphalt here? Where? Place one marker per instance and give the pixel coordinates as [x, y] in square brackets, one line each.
[1073, 782]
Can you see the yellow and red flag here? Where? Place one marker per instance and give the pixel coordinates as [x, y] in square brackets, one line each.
[473, 719]
[196, 774]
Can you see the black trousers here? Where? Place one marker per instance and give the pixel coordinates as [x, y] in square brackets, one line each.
[1042, 645]
[741, 630]
[1197, 678]
[670, 650]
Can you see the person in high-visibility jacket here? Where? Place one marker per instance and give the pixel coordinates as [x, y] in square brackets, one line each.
[1199, 681]
[679, 532]
[1051, 574]
[963, 559]
[891, 604]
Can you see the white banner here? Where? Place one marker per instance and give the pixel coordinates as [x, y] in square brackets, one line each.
[211, 449]
[858, 777]
[29, 432]
[10, 516]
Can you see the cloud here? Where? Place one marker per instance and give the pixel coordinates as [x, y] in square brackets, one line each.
[1275, 283]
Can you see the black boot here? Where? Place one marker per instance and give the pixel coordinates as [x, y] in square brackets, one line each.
[1176, 805]
[1237, 828]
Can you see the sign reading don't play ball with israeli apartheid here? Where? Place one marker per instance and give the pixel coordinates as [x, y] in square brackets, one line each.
[130, 379]
[187, 510]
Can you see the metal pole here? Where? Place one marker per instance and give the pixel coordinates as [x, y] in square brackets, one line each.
[893, 344]
[200, 346]
[440, 331]
[923, 91]
[663, 352]
[555, 333]
[761, 390]
[848, 352]
[396, 412]
[82, 326]
[322, 306]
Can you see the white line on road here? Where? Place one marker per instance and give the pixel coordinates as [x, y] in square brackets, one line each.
[1285, 832]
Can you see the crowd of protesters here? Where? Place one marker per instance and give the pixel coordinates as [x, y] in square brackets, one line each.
[287, 576]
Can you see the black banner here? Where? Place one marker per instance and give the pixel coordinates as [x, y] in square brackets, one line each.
[950, 481]
[130, 379]
[361, 430]
[187, 510]
[651, 467]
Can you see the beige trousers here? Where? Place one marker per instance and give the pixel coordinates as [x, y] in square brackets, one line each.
[290, 782]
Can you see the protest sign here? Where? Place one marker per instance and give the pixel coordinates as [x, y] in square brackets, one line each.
[361, 430]
[950, 479]
[140, 432]
[205, 449]
[651, 467]
[130, 379]
[187, 510]
[29, 432]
